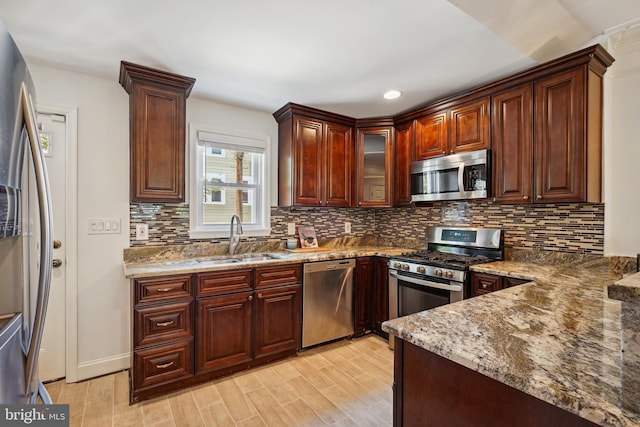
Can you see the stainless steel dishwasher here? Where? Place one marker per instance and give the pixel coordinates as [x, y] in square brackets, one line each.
[327, 301]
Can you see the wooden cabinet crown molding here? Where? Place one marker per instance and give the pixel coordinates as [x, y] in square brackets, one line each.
[290, 109]
[130, 73]
[595, 57]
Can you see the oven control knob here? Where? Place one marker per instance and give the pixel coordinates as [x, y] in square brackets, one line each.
[405, 266]
[448, 274]
[421, 270]
[397, 265]
[438, 272]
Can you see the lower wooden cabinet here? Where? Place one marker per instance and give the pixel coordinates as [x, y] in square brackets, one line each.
[381, 297]
[232, 321]
[162, 364]
[363, 301]
[483, 283]
[162, 338]
[223, 327]
[277, 320]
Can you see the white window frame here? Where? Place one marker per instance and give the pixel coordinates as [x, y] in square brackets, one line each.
[235, 140]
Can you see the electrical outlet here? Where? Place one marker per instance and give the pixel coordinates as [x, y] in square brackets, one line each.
[142, 232]
[347, 228]
[291, 228]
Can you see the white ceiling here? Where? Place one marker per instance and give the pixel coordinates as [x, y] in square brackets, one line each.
[332, 54]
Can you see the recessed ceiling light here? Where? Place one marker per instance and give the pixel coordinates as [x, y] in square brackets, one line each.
[392, 94]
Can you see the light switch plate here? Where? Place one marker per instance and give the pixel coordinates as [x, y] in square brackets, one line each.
[347, 228]
[103, 226]
[291, 228]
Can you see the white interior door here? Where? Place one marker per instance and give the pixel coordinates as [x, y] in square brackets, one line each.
[52, 350]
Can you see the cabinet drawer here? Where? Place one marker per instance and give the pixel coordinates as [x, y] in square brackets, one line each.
[162, 288]
[163, 364]
[484, 283]
[224, 282]
[156, 324]
[278, 275]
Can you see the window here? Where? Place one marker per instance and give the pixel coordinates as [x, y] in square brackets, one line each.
[229, 177]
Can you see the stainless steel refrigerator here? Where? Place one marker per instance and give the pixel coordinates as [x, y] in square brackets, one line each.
[25, 232]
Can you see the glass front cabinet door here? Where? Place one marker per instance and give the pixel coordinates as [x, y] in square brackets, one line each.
[375, 146]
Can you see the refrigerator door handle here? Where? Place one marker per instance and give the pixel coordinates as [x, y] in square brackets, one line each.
[46, 244]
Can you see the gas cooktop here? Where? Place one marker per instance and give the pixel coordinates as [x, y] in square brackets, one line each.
[443, 259]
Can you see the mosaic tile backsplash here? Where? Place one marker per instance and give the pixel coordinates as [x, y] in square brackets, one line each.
[564, 227]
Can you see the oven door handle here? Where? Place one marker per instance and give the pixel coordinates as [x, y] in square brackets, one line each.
[454, 288]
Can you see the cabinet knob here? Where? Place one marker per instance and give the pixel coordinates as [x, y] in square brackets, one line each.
[57, 263]
[250, 297]
[525, 197]
[539, 197]
[259, 295]
[484, 286]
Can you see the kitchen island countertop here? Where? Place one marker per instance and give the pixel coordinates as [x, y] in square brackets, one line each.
[558, 338]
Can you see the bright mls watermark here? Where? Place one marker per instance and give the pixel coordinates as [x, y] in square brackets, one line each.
[34, 415]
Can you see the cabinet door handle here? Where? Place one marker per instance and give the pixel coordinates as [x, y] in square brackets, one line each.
[539, 197]
[165, 289]
[165, 365]
[167, 323]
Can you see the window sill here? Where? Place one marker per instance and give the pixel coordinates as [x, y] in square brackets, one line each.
[214, 234]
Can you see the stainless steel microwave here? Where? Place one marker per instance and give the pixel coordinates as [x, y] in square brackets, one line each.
[454, 177]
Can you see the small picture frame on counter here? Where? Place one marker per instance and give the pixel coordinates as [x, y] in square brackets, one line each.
[307, 236]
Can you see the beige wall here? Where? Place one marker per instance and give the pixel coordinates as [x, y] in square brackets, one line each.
[622, 145]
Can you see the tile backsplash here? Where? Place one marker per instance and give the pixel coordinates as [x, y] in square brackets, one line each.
[565, 227]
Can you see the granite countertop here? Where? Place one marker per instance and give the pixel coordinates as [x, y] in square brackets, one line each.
[169, 263]
[558, 338]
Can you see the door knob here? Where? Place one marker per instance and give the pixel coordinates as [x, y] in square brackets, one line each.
[57, 244]
[57, 263]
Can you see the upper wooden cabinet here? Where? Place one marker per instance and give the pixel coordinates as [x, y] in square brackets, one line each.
[470, 126]
[512, 151]
[403, 156]
[567, 158]
[547, 133]
[157, 106]
[374, 168]
[315, 157]
[432, 135]
[465, 126]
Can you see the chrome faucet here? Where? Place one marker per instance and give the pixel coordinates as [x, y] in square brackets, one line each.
[234, 237]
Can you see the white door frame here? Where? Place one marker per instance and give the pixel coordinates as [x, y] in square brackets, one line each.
[71, 235]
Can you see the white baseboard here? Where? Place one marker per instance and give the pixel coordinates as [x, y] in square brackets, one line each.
[98, 367]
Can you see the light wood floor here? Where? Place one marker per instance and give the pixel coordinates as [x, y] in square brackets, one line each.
[347, 383]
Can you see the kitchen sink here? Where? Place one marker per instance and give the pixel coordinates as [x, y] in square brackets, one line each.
[227, 259]
[238, 259]
[257, 257]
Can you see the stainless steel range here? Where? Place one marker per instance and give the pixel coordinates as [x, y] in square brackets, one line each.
[440, 275]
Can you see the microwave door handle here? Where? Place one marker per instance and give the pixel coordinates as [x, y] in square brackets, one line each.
[461, 188]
